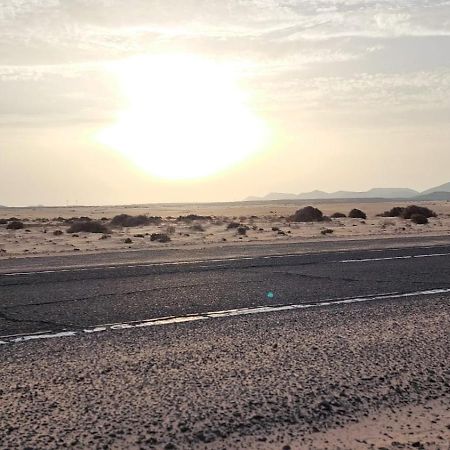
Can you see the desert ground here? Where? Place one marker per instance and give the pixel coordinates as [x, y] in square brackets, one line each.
[360, 363]
[265, 222]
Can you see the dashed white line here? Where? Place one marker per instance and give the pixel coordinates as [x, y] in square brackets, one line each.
[388, 258]
[207, 263]
[214, 315]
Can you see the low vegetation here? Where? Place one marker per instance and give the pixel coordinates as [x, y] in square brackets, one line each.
[125, 220]
[308, 214]
[242, 231]
[233, 225]
[357, 214]
[192, 217]
[159, 237]
[419, 219]
[327, 231]
[197, 227]
[397, 211]
[91, 226]
[338, 215]
[412, 210]
[15, 225]
[408, 212]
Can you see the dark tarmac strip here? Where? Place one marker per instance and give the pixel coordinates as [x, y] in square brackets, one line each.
[70, 299]
[345, 336]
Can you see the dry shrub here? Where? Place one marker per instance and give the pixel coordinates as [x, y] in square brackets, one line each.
[159, 237]
[88, 227]
[419, 219]
[357, 214]
[412, 210]
[192, 217]
[197, 227]
[15, 225]
[308, 214]
[242, 231]
[125, 220]
[233, 225]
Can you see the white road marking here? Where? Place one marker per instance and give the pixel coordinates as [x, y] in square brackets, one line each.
[388, 258]
[206, 263]
[215, 315]
[161, 264]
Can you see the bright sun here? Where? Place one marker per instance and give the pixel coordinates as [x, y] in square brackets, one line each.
[186, 117]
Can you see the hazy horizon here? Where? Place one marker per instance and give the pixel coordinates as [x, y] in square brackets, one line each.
[140, 102]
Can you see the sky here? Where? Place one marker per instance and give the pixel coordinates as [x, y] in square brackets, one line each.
[139, 101]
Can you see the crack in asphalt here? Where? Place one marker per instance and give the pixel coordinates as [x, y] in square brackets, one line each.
[317, 277]
[197, 269]
[112, 294]
[7, 318]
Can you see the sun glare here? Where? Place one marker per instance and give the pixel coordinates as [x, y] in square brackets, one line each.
[186, 117]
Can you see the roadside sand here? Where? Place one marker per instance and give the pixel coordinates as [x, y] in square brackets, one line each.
[287, 380]
[267, 222]
[424, 427]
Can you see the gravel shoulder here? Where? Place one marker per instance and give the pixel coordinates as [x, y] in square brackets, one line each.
[268, 381]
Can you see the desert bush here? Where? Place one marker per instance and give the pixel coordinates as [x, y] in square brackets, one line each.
[57, 232]
[72, 220]
[275, 229]
[233, 225]
[357, 214]
[420, 219]
[3, 221]
[197, 227]
[242, 231]
[308, 214]
[125, 220]
[128, 241]
[192, 217]
[327, 231]
[338, 215]
[411, 210]
[91, 226]
[159, 237]
[396, 211]
[15, 225]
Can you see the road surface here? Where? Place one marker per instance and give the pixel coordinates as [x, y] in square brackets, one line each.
[258, 350]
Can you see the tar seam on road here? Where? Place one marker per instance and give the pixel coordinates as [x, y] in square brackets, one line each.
[214, 315]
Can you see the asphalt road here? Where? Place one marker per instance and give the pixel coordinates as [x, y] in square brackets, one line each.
[48, 298]
[140, 354]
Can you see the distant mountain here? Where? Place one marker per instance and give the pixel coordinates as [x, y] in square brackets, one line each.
[442, 188]
[438, 193]
[280, 196]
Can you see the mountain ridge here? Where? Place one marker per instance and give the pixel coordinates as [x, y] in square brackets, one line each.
[441, 192]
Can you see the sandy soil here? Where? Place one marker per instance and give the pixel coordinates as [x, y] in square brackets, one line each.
[423, 427]
[287, 380]
[267, 222]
